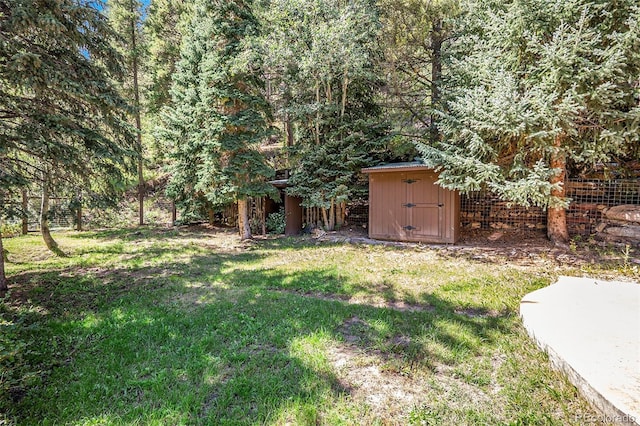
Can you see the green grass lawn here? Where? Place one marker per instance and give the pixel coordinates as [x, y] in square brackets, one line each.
[160, 326]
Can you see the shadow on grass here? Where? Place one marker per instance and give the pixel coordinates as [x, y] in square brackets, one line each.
[204, 341]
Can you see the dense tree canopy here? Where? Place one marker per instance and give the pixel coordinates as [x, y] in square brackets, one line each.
[219, 116]
[537, 84]
[322, 59]
[61, 120]
[504, 94]
[415, 39]
[125, 17]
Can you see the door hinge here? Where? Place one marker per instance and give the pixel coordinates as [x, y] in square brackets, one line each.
[409, 228]
[409, 181]
[408, 205]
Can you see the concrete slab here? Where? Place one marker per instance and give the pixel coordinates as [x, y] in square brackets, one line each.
[591, 331]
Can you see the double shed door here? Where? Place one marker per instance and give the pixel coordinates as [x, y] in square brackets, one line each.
[406, 205]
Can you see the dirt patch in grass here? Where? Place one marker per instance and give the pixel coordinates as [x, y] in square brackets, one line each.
[519, 248]
[396, 305]
[391, 394]
[198, 294]
[388, 394]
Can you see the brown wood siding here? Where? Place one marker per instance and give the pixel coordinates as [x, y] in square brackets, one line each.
[386, 217]
[425, 214]
[410, 198]
[293, 211]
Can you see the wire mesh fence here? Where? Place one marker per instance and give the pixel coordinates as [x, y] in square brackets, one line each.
[589, 199]
[485, 210]
[64, 214]
[60, 214]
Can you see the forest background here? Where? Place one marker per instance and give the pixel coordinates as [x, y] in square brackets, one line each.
[207, 99]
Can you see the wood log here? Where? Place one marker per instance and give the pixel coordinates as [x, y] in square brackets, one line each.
[613, 222]
[625, 212]
[631, 232]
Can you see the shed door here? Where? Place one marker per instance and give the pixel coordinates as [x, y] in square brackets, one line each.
[424, 205]
[387, 217]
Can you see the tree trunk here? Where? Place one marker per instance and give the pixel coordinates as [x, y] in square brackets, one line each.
[345, 83]
[436, 74]
[340, 214]
[332, 216]
[317, 113]
[264, 215]
[3, 277]
[79, 213]
[243, 220]
[212, 216]
[44, 220]
[557, 216]
[136, 97]
[79, 218]
[289, 130]
[174, 213]
[25, 213]
[325, 220]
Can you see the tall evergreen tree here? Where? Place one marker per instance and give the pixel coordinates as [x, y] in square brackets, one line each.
[538, 83]
[220, 116]
[166, 23]
[415, 37]
[60, 115]
[126, 19]
[321, 58]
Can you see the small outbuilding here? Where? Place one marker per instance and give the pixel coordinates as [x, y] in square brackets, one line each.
[406, 204]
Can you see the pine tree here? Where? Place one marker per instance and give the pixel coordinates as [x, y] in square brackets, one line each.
[220, 116]
[164, 26]
[125, 17]
[537, 84]
[61, 118]
[321, 58]
[415, 36]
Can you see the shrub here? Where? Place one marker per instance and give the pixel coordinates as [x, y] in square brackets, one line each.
[10, 229]
[276, 222]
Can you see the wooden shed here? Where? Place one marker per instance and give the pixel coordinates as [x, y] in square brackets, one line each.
[406, 204]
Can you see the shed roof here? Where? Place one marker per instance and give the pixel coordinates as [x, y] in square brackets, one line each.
[280, 183]
[397, 167]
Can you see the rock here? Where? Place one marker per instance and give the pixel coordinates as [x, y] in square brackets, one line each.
[626, 213]
[630, 231]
